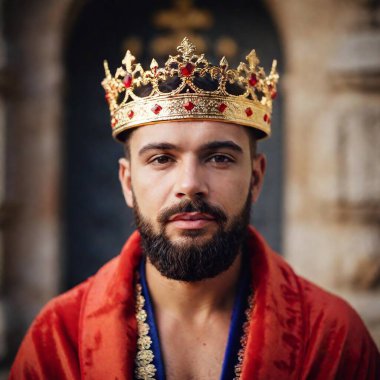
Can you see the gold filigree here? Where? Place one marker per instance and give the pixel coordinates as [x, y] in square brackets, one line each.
[252, 107]
[145, 369]
[244, 338]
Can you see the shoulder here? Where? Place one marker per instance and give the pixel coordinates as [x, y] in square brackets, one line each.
[336, 337]
[335, 342]
[50, 347]
[63, 312]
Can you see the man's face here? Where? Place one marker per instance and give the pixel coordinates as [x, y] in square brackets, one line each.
[192, 183]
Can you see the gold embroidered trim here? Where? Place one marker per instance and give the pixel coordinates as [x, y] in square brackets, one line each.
[145, 369]
[244, 338]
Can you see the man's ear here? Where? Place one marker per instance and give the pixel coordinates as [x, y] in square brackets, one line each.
[259, 164]
[126, 180]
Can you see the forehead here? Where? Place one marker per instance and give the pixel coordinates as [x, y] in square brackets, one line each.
[189, 134]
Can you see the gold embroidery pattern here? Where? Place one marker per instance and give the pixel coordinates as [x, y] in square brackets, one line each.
[244, 338]
[145, 369]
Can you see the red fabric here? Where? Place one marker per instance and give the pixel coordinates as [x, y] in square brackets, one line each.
[298, 331]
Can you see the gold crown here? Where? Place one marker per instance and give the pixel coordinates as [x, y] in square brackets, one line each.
[250, 106]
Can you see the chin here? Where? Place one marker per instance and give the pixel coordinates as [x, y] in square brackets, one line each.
[189, 238]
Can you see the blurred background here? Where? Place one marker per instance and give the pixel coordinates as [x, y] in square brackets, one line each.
[62, 214]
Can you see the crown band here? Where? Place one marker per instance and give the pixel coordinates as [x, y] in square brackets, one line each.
[186, 107]
[252, 107]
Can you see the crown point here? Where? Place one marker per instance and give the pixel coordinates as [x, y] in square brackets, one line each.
[128, 60]
[223, 63]
[106, 68]
[252, 59]
[153, 65]
[186, 48]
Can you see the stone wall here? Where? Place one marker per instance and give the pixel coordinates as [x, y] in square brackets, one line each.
[332, 90]
[34, 38]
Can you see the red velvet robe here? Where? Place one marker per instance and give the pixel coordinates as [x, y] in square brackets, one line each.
[297, 331]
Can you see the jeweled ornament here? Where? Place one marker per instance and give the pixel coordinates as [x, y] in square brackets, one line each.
[222, 107]
[189, 106]
[156, 109]
[253, 80]
[249, 111]
[187, 69]
[127, 81]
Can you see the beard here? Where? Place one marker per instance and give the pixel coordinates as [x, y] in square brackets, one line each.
[192, 260]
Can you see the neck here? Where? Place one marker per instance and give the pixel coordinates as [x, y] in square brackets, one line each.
[193, 299]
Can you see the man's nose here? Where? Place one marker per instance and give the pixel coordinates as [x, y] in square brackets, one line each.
[191, 180]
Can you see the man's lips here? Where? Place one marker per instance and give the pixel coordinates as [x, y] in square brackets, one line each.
[191, 220]
[191, 216]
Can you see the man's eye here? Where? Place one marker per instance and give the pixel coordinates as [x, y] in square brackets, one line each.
[161, 160]
[220, 158]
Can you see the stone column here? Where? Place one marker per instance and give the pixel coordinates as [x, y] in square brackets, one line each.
[3, 339]
[353, 195]
[332, 200]
[35, 40]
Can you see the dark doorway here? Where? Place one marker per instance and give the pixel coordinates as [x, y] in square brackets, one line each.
[96, 219]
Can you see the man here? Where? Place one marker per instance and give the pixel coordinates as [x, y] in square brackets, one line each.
[196, 293]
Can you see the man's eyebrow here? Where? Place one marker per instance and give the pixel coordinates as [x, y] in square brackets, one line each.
[214, 145]
[156, 146]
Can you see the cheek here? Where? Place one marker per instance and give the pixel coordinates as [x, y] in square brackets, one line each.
[150, 192]
[231, 192]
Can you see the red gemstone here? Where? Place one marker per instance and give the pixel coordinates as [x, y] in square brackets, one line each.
[108, 97]
[187, 70]
[249, 111]
[266, 117]
[130, 114]
[222, 107]
[127, 80]
[273, 94]
[189, 106]
[113, 122]
[156, 109]
[253, 80]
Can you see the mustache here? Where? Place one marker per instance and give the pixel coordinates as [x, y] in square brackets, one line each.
[196, 205]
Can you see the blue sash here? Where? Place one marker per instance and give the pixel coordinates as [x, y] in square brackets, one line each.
[236, 332]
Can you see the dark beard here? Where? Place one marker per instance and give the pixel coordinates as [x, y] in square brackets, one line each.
[192, 261]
